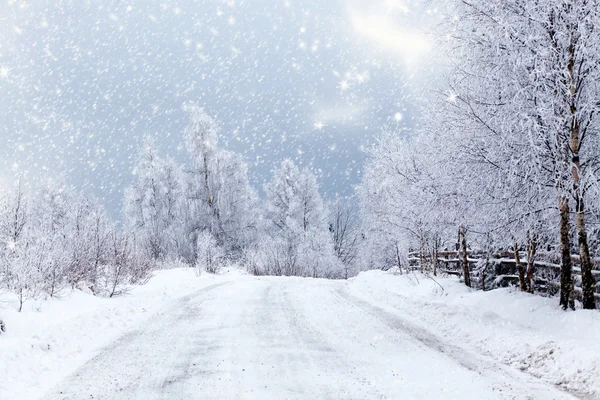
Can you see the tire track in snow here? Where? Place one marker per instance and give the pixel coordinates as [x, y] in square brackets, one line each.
[136, 354]
[326, 360]
[473, 362]
[344, 373]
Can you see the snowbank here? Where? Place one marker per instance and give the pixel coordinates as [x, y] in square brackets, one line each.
[52, 338]
[522, 330]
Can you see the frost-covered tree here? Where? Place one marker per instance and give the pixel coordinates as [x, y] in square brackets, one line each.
[218, 193]
[153, 205]
[237, 203]
[50, 219]
[344, 225]
[89, 232]
[400, 196]
[296, 220]
[210, 255]
[20, 259]
[526, 78]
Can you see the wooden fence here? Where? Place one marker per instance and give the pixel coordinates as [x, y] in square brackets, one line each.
[501, 270]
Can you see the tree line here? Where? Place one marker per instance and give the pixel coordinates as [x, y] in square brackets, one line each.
[203, 215]
[207, 213]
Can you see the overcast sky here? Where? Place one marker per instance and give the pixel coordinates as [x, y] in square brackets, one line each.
[82, 82]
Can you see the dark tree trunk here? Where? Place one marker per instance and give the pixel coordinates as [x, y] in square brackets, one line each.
[398, 260]
[421, 251]
[483, 277]
[520, 269]
[462, 232]
[588, 285]
[531, 251]
[566, 278]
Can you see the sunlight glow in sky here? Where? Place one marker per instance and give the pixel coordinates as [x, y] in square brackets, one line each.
[380, 25]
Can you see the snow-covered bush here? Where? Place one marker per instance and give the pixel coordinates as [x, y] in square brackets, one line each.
[210, 256]
[57, 239]
[273, 256]
[172, 264]
[316, 256]
[124, 265]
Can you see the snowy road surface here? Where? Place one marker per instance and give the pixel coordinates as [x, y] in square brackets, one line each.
[289, 338]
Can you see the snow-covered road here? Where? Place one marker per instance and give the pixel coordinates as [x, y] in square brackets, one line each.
[290, 338]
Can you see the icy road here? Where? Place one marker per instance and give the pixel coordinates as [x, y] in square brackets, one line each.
[289, 338]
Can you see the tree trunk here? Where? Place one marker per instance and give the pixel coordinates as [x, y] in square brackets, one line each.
[21, 300]
[421, 251]
[209, 199]
[398, 259]
[566, 279]
[588, 285]
[520, 269]
[576, 143]
[531, 250]
[483, 277]
[435, 261]
[462, 232]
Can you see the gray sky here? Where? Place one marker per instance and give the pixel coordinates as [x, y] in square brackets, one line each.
[82, 82]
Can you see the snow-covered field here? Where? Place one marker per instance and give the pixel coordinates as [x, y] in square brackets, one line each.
[376, 336]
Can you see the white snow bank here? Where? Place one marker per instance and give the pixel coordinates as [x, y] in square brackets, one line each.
[526, 331]
[50, 339]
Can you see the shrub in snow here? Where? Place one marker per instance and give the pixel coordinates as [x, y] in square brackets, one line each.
[316, 256]
[273, 256]
[172, 264]
[124, 265]
[209, 256]
[23, 261]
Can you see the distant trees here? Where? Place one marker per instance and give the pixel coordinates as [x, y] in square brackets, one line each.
[172, 210]
[207, 212]
[298, 239]
[203, 215]
[57, 239]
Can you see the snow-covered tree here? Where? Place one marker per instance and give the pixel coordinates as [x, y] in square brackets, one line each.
[219, 196]
[344, 225]
[401, 194]
[527, 83]
[51, 219]
[210, 255]
[153, 205]
[297, 221]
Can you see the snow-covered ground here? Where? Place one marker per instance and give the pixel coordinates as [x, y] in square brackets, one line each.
[50, 339]
[236, 336]
[527, 332]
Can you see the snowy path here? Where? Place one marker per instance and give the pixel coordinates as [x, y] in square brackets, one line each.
[282, 338]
